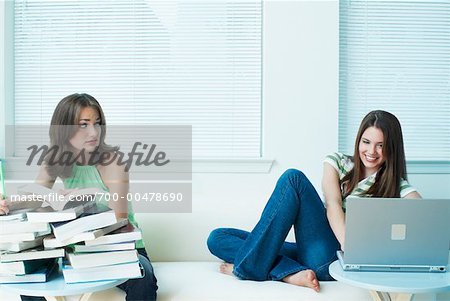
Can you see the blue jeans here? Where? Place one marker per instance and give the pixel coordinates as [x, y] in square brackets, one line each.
[140, 289]
[263, 254]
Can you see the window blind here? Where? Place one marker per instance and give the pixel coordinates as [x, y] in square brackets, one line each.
[146, 62]
[395, 56]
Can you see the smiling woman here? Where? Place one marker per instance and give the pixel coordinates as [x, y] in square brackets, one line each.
[371, 149]
[379, 153]
[377, 168]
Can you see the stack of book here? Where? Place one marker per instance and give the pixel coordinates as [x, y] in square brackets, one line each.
[32, 240]
[105, 257]
[22, 256]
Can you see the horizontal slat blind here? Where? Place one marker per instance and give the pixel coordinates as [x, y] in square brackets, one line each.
[147, 62]
[395, 56]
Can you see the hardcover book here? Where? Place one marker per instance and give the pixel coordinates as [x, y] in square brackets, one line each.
[109, 272]
[42, 275]
[22, 226]
[23, 245]
[124, 234]
[89, 260]
[52, 242]
[95, 218]
[24, 266]
[105, 248]
[36, 253]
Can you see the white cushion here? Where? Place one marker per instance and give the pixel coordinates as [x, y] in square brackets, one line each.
[197, 281]
[201, 281]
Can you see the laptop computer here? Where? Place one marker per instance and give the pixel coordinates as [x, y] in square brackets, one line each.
[391, 234]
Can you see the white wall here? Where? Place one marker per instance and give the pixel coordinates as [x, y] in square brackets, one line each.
[300, 104]
[300, 112]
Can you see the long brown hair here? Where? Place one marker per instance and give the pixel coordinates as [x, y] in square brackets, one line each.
[393, 170]
[64, 125]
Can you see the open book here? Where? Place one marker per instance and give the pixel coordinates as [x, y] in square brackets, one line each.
[55, 200]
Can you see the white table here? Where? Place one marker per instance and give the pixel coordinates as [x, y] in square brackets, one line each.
[56, 289]
[383, 284]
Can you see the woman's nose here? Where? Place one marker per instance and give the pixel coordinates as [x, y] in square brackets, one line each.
[93, 131]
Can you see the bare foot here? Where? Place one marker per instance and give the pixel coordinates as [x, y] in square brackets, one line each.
[226, 268]
[305, 278]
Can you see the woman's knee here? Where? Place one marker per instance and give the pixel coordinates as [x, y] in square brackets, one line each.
[148, 268]
[144, 288]
[214, 238]
[292, 174]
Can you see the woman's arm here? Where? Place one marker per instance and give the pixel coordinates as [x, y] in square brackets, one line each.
[117, 181]
[333, 201]
[413, 195]
[43, 178]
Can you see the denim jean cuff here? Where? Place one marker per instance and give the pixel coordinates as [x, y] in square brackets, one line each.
[238, 274]
[280, 276]
[322, 272]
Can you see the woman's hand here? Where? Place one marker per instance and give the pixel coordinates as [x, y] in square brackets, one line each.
[4, 205]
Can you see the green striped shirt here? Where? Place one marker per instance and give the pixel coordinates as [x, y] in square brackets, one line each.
[344, 164]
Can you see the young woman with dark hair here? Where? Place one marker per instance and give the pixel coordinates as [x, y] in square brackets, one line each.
[78, 129]
[377, 168]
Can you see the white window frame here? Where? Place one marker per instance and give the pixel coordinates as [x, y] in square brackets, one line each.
[425, 166]
[15, 164]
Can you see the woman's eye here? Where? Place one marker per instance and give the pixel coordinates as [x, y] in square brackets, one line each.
[97, 124]
[83, 125]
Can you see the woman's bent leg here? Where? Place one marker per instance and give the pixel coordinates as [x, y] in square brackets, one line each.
[224, 243]
[316, 243]
[256, 258]
[142, 289]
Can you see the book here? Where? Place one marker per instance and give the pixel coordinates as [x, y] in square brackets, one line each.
[56, 200]
[42, 275]
[35, 253]
[109, 272]
[23, 245]
[52, 242]
[50, 215]
[95, 218]
[89, 260]
[15, 215]
[124, 234]
[105, 248]
[23, 267]
[19, 237]
[22, 226]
